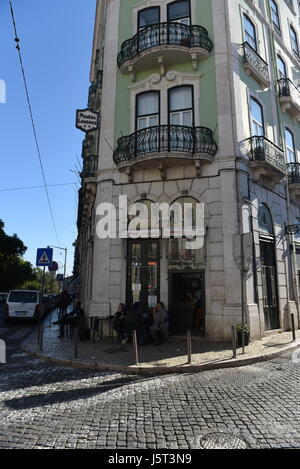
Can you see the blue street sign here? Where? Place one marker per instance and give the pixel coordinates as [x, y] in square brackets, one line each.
[44, 257]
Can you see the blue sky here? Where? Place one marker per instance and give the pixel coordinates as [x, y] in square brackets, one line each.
[56, 43]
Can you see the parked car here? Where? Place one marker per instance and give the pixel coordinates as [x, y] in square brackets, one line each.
[24, 304]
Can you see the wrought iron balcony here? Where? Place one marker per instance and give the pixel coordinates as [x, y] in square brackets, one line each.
[179, 39]
[293, 171]
[163, 142]
[266, 159]
[90, 166]
[289, 97]
[255, 65]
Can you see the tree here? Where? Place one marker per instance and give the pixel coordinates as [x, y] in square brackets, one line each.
[14, 271]
[50, 283]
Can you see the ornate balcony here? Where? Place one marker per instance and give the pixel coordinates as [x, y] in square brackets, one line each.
[164, 44]
[266, 159]
[289, 97]
[255, 65]
[164, 143]
[293, 171]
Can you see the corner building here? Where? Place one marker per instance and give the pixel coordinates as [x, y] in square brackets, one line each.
[199, 102]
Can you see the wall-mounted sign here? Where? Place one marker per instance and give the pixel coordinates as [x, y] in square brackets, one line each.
[87, 120]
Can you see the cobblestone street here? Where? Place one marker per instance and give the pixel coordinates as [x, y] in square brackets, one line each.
[46, 406]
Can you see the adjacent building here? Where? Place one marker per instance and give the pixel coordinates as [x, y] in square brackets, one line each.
[198, 102]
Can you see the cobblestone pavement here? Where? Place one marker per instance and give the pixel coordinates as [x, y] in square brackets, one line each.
[46, 406]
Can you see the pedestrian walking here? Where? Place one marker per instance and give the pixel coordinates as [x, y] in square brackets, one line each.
[159, 330]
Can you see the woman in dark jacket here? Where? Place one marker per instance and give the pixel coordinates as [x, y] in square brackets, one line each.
[119, 323]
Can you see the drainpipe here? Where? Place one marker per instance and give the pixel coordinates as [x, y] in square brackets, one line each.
[240, 228]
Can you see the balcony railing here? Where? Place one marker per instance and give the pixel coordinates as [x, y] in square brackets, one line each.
[90, 166]
[293, 170]
[287, 89]
[160, 34]
[165, 139]
[263, 150]
[256, 65]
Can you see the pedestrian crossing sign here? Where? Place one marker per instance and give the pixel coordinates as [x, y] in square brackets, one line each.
[44, 257]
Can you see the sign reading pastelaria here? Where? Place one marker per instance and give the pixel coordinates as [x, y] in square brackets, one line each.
[87, 120]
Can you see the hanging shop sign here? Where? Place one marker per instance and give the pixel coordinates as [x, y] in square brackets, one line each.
[87, 120]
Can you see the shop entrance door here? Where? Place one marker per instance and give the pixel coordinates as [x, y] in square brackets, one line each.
[269, 284]
[187, 303]
[143, 273]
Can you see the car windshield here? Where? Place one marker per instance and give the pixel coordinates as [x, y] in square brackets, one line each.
[23, 297]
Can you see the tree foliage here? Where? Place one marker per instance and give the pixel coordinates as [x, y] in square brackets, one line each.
[14, 271]
[50, 283]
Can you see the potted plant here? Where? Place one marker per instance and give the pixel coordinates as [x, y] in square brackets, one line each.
[239, 330]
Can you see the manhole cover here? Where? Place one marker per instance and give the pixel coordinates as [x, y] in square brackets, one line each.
[222, 441]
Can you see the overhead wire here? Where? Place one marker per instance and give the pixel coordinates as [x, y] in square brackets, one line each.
[17, 40]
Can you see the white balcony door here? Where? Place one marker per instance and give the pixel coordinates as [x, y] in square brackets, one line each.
[148, 37]
[148, 116]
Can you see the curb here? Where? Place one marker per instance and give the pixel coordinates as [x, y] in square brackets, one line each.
[164, 370]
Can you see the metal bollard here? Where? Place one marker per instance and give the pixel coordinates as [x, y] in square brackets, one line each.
[41, 338]
[233, 334]
[293, 327]
[189, 346]
[76, 343]
[135, 347]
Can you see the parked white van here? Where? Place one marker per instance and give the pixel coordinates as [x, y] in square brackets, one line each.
[24, 304]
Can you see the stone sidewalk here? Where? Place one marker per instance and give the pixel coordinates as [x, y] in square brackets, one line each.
[162, 359]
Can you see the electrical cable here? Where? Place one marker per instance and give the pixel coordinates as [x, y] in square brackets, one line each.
[9, 189]
[17, 40]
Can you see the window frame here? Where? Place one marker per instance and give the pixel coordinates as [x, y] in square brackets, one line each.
[157, 92]
[279, 58]
[175, 21]
[277, 26]
[253, 98]
[246, 17]
[184, 109]
[293, 32]
[154, 7]
[288, 130]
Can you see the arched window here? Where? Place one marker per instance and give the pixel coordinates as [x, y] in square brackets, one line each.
[275, 14]
[281, 67]
[290, 146]
[294, 41]
[257, 118]
[249, 32]
[265, 221]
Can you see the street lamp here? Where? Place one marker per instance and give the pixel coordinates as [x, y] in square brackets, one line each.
[65, 266]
